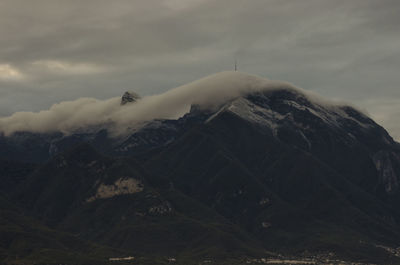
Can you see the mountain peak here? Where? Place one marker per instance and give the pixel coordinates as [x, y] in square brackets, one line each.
[208, 93]
[128, 97]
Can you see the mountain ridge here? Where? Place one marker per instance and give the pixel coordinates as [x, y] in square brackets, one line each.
[208, 92]
[264, 172]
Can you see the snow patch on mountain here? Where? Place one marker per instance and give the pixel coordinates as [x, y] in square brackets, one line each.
[252, 113]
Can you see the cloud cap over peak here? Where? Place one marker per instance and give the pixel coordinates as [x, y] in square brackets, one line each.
[208, 92]
[60, 50]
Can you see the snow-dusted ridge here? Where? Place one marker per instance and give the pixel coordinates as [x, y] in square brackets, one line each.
[209, 93]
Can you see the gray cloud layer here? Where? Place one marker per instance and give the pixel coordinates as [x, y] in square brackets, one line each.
[57, 50]
[83, 113]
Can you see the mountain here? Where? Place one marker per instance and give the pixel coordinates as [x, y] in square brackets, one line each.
[261, 169]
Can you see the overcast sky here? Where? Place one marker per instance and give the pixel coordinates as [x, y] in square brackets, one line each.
[57, 50]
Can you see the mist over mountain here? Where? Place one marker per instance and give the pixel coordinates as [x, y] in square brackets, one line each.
[209, 92]
[229, 169]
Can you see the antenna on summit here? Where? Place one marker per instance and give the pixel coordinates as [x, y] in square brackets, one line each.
[235, 65]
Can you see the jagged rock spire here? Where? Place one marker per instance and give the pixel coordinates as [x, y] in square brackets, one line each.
[129, 96]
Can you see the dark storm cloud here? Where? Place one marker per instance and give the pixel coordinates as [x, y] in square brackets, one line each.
[55, 50]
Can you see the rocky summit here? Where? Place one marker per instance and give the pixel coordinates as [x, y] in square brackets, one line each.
[129, 96]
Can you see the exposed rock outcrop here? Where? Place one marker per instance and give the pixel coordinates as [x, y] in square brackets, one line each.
[128, 97]
[120, 187]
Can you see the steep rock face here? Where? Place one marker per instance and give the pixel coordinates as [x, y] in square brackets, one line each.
[154, 134]
[129, 97]
[340, 136]
[388, 166]
[119, 187]
[27, 146]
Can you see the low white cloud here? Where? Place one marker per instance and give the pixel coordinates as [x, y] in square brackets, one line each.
[70, 116]
[7, 72]
[65, 116]
[208, 92]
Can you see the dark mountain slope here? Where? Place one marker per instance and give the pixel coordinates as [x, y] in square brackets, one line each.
[24, 240]
[89, 195]
[13, 173]
[263, 180]
[271, 169]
